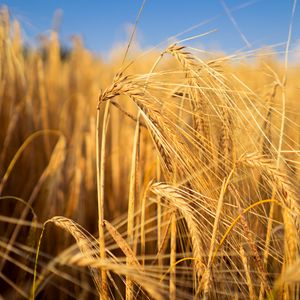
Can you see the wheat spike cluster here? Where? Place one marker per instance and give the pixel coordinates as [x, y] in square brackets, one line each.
[170, 175]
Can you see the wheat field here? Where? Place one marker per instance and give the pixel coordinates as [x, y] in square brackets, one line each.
[170, 175]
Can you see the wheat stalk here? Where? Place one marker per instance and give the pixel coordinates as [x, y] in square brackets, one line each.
[176, 199]
[100, 160]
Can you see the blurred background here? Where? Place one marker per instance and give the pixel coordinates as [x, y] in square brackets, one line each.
[105, 25]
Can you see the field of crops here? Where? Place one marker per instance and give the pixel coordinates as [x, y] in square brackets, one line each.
[171, 174]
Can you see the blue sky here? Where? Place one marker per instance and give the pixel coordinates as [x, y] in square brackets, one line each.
[102, 23]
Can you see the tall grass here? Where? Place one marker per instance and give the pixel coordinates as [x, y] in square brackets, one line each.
[167, 177]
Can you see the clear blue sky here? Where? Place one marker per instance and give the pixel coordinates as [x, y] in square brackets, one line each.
[102, 23]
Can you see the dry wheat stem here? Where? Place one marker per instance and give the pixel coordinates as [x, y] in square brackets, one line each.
[100, 160]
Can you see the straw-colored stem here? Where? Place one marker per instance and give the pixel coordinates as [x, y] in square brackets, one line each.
[214, 236]
[133, 190]
[252, 295]
[100, 160]
[173, 257]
